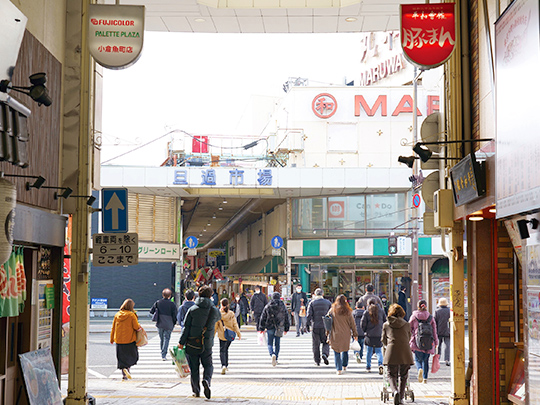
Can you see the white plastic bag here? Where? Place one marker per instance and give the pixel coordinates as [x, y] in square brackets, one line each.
[261, 338]
[355, 346]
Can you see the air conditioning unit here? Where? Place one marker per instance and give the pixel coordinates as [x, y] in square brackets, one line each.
[443, 204]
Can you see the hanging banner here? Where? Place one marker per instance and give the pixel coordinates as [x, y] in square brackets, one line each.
[8, 196]
[428, 33]
[115, 34]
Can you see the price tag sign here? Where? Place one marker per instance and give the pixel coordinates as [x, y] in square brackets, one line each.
[115, 249]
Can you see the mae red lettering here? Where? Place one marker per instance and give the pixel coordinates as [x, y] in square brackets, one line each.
[405, 106]
[361, 101]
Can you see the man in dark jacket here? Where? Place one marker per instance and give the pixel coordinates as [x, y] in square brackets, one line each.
[201, 315]
[258, 302]
[402, 301]
[317, 308]
[275, 319]
[442, 316]
[299, 300]
[166, 319]
[244, 308]
[187, 304]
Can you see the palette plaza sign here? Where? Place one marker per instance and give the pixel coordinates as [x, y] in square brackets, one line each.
[428, 33]
[115, 34]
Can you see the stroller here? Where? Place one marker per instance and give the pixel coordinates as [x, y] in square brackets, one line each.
[386, 392]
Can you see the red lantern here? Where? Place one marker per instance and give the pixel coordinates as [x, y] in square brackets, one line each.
[428, 33]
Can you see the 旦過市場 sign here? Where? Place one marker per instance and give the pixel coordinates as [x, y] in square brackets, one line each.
[115, 34]
[428, 33]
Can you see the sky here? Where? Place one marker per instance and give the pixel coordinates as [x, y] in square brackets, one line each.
[203, 84]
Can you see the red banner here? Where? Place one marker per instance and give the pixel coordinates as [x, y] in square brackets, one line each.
[428, 33]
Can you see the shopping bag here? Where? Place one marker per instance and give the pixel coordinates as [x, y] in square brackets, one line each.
[141, 338]
[436, 364]
[180, 362]
[355, 346]
[261, 338]
[327, 322]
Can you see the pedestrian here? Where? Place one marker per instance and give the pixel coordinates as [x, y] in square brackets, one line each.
[166, 319]
[398, 355]
[317, 308]
[275, 320]
[244, 308]
[423, 339]
[187, 304]
[442, 317]
[369, 295]
[258, 302]
[228, 321]
[343, 328]
[123, 333]
[235, 308]
[402, 300]
[215, 298]
[358, 312]
[372, 324]
[298, 308]
[385, 303]
[224, 294]
[200, 322]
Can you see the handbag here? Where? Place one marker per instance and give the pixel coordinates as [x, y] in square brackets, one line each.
[141, 338]
[436, 364]
[229, 334]
[328, 320]
[181, 365]
[155, 315]
[195, 344]
[302, 313]
[373, 341]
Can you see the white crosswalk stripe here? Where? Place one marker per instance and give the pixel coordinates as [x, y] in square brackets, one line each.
[248, 360]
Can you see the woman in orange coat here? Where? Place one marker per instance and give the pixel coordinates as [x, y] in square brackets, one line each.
[123, 333]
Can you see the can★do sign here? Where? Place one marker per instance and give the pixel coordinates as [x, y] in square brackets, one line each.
[115, 34]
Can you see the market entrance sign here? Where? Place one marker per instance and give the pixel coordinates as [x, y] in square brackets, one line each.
[428, 33]
[115, 34]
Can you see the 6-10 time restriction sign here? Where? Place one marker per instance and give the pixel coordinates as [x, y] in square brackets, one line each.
[115, 249]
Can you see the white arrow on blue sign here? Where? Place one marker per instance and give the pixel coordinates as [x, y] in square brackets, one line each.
[192, 242]
[277, 242]
[115, 210]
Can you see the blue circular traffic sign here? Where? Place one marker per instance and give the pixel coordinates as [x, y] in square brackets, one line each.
[192, 242]
[277, 242]
[416, 200]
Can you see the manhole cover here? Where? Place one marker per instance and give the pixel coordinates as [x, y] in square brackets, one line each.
[152, 384]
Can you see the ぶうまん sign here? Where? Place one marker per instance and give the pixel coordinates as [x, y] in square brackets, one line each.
[115, 34]
[428, 33]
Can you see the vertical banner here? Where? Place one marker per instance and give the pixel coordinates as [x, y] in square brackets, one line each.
[66, 297]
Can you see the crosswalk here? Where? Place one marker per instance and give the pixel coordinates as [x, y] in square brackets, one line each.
[250, 361]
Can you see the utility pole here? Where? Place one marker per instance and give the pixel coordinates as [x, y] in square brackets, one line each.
[414, 235]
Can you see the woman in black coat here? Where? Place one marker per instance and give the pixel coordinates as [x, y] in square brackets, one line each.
[372, 323]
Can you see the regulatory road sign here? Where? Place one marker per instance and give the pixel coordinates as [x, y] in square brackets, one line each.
[416, 200]
[115, 249]
[192, 242]
[276, 252]
[192, 252]
[114, 212]
[277, 242]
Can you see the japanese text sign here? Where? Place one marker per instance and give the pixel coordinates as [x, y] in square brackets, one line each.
[468, 180]
[159, 252]
[115, 34]
[115, 249]
[428, 33]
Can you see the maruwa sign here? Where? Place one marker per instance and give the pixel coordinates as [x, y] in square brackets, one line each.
[428, 33]
[325, 105]
[115, 34]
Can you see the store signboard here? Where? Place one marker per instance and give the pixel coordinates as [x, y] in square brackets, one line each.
[428, 33]
[115, 34]
[159, 252]
[40, 378]
[517, 59]
[468, 180]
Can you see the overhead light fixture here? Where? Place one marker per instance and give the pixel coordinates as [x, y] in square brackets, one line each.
[424, 153]
[208, 224]
[204, 230]
[200, 234]
[408, 160]
[493, 210]
[37, 91]
[351, 19]
[200, 20]
[220, 207]
[224, 201]
[91, 198]
[522, 226]
[37, 183]
[65, 194]
[214, 216]
[476, 218]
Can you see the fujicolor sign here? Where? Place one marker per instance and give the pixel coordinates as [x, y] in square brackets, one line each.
[115, 34]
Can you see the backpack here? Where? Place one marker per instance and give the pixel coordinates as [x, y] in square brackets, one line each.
[424, 336]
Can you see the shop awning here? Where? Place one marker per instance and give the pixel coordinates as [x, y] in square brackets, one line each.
[252, 266]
